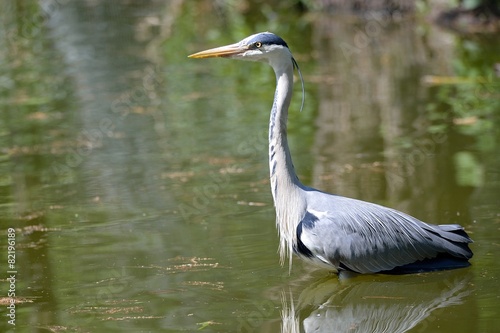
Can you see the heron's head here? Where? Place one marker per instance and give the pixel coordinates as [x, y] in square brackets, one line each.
[264, 46]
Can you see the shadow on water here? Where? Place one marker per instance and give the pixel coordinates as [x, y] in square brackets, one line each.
[380, 303]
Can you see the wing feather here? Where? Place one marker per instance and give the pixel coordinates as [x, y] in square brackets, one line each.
[367, 238]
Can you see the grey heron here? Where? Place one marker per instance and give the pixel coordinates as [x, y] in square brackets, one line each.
[335, 232]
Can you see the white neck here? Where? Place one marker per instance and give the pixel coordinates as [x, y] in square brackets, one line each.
[285, 186]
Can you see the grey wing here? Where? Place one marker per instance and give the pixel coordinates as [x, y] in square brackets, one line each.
[368, 238]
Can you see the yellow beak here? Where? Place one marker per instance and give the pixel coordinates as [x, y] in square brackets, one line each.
[223, 51]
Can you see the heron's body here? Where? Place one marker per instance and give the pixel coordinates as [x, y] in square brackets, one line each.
[332, 231]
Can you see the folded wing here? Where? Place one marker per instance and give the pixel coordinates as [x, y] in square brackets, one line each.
[368, 238]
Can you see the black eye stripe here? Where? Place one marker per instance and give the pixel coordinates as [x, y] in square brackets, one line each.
[266, 39]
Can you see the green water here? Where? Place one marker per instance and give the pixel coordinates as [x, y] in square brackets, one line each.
[136, 179]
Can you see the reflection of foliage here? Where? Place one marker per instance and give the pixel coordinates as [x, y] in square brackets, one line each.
[469, 170]
[484, 5]
[35, 97]
[473, 104]
[472, 16]
[476, 106]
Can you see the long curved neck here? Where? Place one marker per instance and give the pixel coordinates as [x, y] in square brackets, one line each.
[280, 161]
[285, 185]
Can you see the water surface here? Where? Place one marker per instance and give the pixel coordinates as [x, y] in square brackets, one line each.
[136, 179]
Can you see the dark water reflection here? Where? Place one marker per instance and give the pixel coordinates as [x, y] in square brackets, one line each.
[137, 184]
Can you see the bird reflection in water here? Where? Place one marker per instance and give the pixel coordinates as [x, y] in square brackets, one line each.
[376, 304]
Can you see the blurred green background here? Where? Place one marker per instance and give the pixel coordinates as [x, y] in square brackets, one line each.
[136, 179]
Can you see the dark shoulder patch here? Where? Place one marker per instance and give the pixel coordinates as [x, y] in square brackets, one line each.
[309, 220]
[300, 248]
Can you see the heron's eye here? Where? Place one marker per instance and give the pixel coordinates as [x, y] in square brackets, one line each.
[258, 45]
